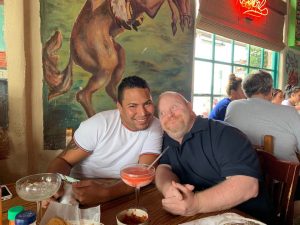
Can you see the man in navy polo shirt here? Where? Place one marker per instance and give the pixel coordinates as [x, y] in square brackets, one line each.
[209, 166]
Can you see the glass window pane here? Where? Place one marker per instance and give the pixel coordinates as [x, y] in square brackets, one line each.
[221, 74]
[223, 49]
[202, 77]
[240, 71]
[255, 56]
[201, 106]
[203, 44]
[253, 70]
[240, 53]
[216, 100]
[268, 59]
[246, 59]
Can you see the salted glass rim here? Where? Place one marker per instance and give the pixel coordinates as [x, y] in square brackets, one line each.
[143, 165]
[37, 175]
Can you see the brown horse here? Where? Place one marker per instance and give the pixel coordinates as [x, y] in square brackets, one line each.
[93, 46]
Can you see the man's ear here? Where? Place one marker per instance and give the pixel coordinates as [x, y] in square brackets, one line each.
[190, 106]
[119, 106]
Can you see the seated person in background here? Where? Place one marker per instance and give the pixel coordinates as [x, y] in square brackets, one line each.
[257, 116]
[292, 96]
[234, 92]
[209, 167]
[277, 96]
[110, 140]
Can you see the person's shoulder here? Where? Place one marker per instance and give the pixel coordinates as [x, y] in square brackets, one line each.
[222, 125]
[215, 124]
[222, 103]
[235, 105]
[287, 111]
[108, 115]
[238, 102]
[225, 101]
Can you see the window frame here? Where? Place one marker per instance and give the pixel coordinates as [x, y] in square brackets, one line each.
[273, 71]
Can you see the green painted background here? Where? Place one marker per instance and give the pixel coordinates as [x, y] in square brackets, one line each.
[164, 60]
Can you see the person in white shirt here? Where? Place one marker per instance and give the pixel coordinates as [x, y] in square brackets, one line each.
[293, 96]
[109, 140]
[257, 116]
[277, 96]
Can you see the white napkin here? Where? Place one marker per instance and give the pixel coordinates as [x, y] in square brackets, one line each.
[68, 197]
[223, 219]
[72, 214]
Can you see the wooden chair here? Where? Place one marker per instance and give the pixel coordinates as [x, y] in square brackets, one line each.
[281, 179]
[268, 145]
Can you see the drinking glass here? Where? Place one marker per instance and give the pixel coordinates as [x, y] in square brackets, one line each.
[137, 176]
[38, 187]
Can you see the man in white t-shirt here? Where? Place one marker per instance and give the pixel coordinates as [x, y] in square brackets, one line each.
[109, 140]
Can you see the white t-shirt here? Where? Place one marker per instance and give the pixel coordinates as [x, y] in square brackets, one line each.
[286, 102]
[112, 145]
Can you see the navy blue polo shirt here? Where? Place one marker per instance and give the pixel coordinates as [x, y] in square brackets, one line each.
[209, 153]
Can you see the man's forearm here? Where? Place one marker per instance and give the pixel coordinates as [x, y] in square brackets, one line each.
[227, 194]
[164, 177]
[59, 165]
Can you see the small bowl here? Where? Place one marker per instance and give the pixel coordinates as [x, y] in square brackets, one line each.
[133, 216]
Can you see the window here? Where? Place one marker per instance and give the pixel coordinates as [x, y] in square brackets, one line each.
[215, 58]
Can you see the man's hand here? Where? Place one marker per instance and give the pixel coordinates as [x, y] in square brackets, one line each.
[55, 197]
[180, 200]
[172, 192]
[90, 192]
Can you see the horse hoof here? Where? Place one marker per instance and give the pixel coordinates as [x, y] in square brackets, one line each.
[174, 28]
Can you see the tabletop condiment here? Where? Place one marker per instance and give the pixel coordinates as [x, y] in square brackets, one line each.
[26, 217]
[13, 212]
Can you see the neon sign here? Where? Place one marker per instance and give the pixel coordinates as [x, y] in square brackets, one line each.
[254, 8]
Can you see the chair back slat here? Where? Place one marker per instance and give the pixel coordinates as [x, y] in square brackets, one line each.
[281, 179]
[269, 143]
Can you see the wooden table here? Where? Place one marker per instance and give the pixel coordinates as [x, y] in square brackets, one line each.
[14, 201]
[150, 199]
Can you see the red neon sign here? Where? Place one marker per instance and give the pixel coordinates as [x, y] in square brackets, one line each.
[254, 8]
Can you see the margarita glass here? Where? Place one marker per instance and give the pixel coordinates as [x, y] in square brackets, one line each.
[38, 187]
[137, 176]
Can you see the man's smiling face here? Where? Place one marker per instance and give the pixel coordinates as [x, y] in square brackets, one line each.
[136, 108]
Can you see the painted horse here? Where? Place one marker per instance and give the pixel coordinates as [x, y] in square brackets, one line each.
[93, 46]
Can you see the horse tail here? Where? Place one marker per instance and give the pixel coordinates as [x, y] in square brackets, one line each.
[58, 82]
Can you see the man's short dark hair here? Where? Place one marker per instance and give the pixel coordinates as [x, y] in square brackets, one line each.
[131, 82]
[258, 83]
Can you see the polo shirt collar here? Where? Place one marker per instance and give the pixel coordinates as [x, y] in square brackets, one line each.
[199, 125]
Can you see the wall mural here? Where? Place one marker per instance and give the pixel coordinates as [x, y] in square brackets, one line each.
[4, 147]
[292, 67]
[89, 46]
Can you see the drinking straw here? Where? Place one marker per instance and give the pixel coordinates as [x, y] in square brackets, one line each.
[160, 155]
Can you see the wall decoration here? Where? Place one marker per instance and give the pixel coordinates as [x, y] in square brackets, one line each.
[4, 147]
[89, 47]
[292, 67]
[254, 8]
